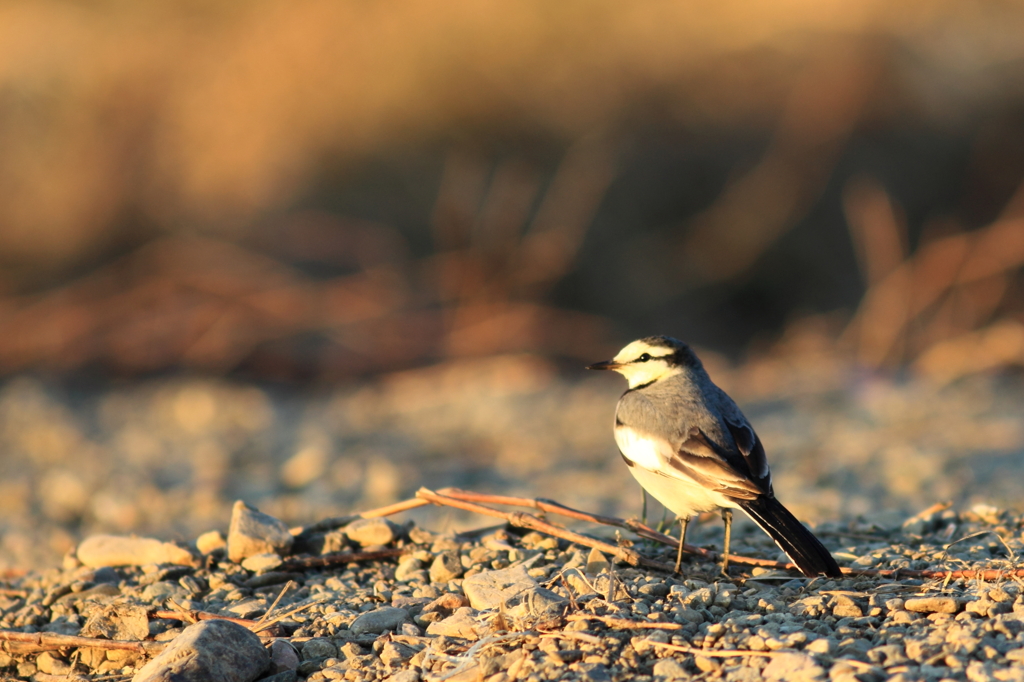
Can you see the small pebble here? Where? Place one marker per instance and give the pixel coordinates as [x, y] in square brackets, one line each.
[932, 605]
[208, 650]
[262, 562]
[116, 550]
[379, 620]
[253, 532]
[371, 532]
[210, 541]
[446, 567]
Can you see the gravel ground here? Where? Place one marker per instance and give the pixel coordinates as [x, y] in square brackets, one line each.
[854, 454]
[502, 605]
[168, 457]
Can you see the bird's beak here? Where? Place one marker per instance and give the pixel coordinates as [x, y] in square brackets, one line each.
[607, 364]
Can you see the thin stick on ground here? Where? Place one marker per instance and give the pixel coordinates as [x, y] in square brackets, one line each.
[404, 505]
[341, 521]
[30, 642]
[554, 507]
[190, 616]
[280, 596]
[640, 529]
[262, 629]
[523, 520]
[325, 560]
[468, 501]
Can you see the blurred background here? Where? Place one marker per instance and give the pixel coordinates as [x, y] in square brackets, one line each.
[315, 254]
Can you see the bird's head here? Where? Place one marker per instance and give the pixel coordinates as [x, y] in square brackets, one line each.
[650, 359]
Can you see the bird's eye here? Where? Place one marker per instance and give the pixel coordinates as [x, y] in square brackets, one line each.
[644, 358]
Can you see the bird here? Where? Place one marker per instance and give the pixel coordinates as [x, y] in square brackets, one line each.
[688, 444]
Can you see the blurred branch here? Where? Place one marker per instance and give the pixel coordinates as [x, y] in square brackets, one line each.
[496, 283]
[933, 305]
[215, 306]
[760, 206]
[879, 234]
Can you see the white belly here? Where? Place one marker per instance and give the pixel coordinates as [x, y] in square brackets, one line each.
[680, 496]
[641, 450]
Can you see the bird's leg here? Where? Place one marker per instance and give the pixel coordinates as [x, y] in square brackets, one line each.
[727, 519]
[643, 505]
[684, 521]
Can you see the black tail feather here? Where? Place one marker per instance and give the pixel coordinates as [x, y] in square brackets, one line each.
[799, 544]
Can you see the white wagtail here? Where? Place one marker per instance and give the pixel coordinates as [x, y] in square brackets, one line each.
[687, 443]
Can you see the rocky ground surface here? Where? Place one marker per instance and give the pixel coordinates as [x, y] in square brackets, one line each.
[168, 457]
[502, 604]
[857, 455]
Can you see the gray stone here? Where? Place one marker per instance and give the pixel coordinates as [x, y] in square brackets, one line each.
[379, 620]
[579, 583]
[446, 566]
[690, 615]
[490, 589]
[980, 672]
[845, 607]
[409, 568]
[318, 648]
[351, 651]
[283, 655]
[332, 672]
[594, 672]
[115, 550]
[162, 591]
[262, 562]
[596, 562]
[271, 578]
[368, 532]
[253, 532]
[462, 624]
[887, 655]
[670, 669]
[725, 597]
[210, 542]
[932, 605]
[825, 645]
[535, 603]
[51, 663]
[645, 644]
[117, 621]
[393, 654]
[209, 650]
[655, 590]
[979, 606]
[920, 649]
[792, 667]
[104, 574]
[894, 604]
[700, 599]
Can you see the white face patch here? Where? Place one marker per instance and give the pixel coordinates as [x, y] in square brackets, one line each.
[638, 348]
[639, 371]
[643, 451]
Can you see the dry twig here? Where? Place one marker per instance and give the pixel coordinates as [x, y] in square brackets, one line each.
[325, 560]
[190, 616]
[523, 520]
[30, 642]
[635, 526]
[468, 501]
